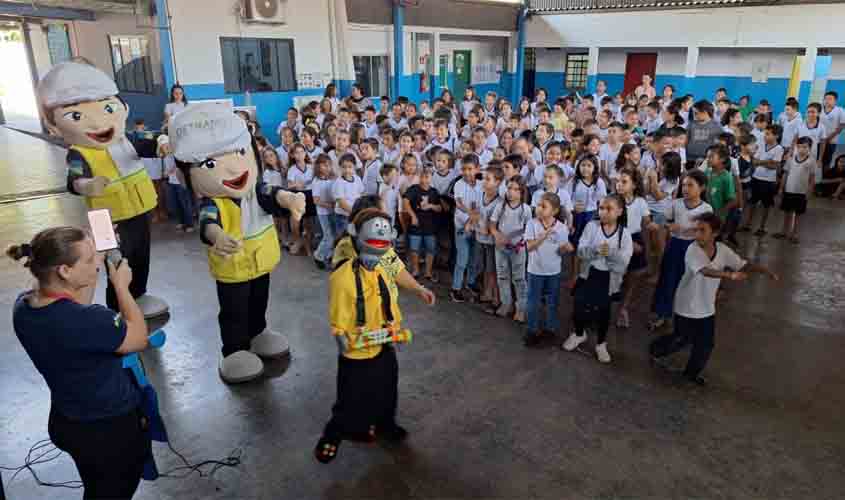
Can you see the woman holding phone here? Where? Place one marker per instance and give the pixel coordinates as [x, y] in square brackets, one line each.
[77, 348]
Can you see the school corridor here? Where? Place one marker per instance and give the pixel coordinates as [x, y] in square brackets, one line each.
[487, 417]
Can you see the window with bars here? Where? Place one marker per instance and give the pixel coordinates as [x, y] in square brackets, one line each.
[258, 65]
[131, 62]
[576, 71]
[371, 73]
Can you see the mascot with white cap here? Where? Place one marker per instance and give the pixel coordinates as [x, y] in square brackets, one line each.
[214, 149]
[80, 104]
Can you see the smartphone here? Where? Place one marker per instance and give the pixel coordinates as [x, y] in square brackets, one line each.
[102, 230]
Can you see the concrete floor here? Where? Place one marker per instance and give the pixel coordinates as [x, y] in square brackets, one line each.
[488, 418]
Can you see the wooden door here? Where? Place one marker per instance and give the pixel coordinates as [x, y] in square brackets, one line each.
[637, 65]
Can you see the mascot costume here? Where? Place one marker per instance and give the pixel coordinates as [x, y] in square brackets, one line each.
[215, 151]
[365, 320]
[80, 104]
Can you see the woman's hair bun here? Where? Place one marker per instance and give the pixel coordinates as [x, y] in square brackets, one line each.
[19, 252]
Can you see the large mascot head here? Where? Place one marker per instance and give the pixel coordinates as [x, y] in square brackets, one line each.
[80, 104]
[374, 235]
[214, 149]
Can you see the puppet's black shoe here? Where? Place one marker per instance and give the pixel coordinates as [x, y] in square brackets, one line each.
[393, 433]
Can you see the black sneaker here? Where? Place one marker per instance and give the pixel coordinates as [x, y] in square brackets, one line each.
[698, 380]
[320, 264]
[474, 288]
[457, 296]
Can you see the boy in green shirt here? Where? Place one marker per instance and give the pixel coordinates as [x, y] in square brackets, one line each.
[721, 192]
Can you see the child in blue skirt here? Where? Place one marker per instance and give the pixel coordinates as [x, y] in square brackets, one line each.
[680, 222]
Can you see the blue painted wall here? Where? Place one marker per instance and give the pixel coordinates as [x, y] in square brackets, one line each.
[149, 107]
[272, 107]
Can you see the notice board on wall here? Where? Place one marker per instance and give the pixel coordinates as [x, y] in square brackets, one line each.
[760, 71]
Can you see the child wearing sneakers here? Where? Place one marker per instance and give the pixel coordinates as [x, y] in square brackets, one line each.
[764, 185]
[604, 249]
[706, 263]
[508, 224]
[468, 193]
[797, 184]
[546, 239]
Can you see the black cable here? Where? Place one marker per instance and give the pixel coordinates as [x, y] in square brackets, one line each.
[52, 453]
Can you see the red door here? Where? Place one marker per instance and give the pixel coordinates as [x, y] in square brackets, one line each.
[636, 66]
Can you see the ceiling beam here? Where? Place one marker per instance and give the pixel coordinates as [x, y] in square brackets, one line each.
[28, 10]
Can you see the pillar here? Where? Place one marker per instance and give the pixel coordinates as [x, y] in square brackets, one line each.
[168, 66]
[398, 48]
[592, 69]
[343, 68]
[434, 50]
[808, 74]
[520, 57]
[690, 71]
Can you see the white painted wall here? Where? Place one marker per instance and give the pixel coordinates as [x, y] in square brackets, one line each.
[547, 60]
[91, 40]
[378, 40]
[488, 55]
[198, 25]
[738, 62]
[784, 26]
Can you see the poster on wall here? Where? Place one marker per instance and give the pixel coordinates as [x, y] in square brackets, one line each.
[423, 73]
[486, 73]
[760, 71]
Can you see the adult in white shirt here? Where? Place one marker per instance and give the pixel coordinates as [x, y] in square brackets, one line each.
[178, 102]
[646, 88]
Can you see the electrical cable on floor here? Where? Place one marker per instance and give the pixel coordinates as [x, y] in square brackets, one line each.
[52, 453]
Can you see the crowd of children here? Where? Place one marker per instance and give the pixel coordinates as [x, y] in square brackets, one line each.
[589, 194]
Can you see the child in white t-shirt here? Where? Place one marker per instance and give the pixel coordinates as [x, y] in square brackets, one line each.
[347, 188]
[546, 239]
[798, 183]
[604, 251]
[679, 216]
[468, 193]
[322, 191]
[706, 263]
[767, 162]
[507, 225]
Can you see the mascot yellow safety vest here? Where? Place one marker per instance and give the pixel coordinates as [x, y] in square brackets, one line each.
[130, 192]
[260, 252]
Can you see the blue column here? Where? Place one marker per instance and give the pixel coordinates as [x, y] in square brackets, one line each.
[167, 63]
[520, 57]
[398, 48]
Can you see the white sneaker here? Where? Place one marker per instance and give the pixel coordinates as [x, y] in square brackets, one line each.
[270, 344]
[602, 354]
[241, 366]
[152, 306]
[574, 341]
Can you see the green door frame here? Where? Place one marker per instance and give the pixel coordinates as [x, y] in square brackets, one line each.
[461, 83]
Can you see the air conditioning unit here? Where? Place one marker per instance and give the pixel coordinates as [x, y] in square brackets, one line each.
[265, 11]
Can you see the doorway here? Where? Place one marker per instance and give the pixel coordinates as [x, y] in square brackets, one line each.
[17, 94]
[529, 80]
[637, 65]
[462, 67]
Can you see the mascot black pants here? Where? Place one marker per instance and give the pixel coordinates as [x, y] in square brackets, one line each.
[109, 453]
[367, 394]
[134, 237]
[243, 310]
